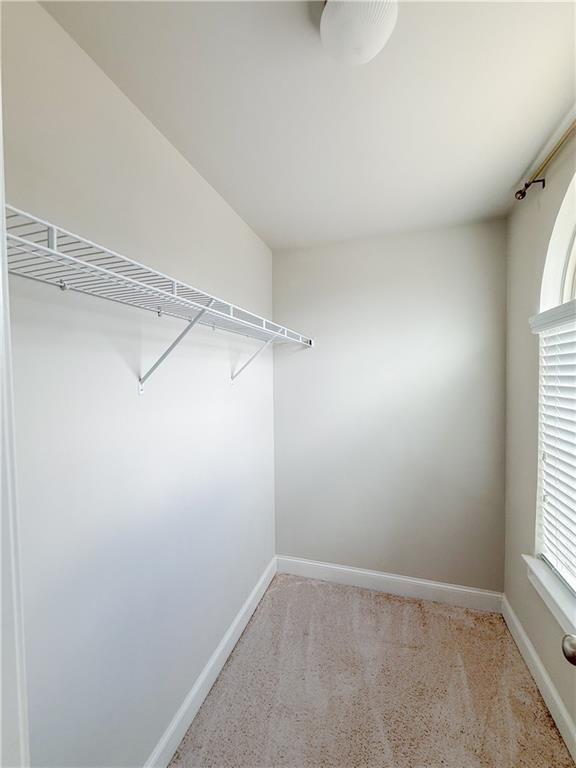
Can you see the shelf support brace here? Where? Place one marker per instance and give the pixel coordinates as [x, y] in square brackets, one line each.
[251, 358]
[172, 346]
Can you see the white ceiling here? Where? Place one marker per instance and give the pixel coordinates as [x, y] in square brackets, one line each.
[437, 129]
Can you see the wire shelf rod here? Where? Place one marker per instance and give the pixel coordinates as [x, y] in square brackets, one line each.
[145, 288]
[43, 252]
[15, 212]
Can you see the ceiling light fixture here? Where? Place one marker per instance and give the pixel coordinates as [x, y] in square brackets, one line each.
[355, 31]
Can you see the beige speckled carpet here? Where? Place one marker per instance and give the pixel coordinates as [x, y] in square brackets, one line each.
[328, 675]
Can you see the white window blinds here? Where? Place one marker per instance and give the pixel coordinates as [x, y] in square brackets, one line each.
[556, 530]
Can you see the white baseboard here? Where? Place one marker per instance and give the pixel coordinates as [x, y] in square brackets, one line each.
[182, 720]
[406, 586]
[558, 710]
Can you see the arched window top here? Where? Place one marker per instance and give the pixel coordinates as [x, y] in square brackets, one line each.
[556, 326]
[559, 278]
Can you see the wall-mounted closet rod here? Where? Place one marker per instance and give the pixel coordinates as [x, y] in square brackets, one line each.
[82, 265]
[41, 251]
[537, 177]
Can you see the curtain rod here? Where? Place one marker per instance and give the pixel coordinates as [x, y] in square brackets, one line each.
[537, 177]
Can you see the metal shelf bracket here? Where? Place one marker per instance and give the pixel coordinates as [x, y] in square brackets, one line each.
[237, 373]
[170, 349]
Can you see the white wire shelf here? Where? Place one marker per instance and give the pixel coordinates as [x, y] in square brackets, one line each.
[49, 254]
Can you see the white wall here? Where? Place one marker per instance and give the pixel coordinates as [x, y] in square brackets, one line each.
[390, 433]
[146, 521]
[529, 228]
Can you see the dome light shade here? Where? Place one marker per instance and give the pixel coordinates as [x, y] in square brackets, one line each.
[355, 31]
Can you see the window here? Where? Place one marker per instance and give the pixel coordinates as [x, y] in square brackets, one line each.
[556, 326]
[556, 527]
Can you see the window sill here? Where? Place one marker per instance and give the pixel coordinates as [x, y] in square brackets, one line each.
[558, 598]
